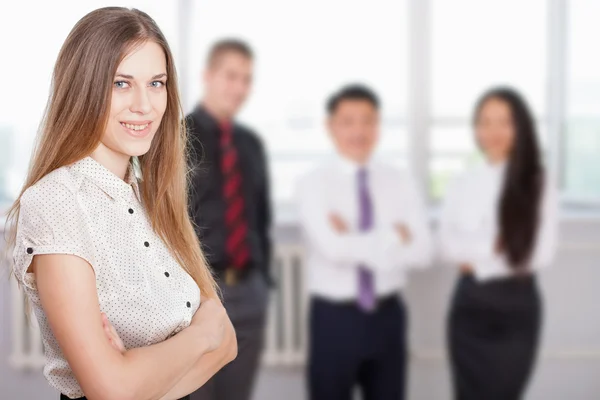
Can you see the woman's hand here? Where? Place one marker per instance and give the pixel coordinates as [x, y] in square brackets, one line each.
[499, 245]
[210, 321]
[112, 335]
[210, 313]
[466, 268]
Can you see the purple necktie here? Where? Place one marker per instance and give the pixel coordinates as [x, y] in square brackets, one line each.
[366, 291]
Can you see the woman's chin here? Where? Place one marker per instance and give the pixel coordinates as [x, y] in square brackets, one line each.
[136, 147]
[137, 151]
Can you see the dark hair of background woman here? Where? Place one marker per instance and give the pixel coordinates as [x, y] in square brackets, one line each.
[519, 211]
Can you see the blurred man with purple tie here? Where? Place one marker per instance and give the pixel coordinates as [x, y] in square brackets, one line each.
[364, 225]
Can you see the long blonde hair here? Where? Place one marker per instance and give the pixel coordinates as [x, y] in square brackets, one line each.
[77, 114]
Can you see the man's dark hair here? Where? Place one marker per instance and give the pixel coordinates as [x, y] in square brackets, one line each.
[224, 46]
[352, 92]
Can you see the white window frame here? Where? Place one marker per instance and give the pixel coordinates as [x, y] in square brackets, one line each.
[419, 110]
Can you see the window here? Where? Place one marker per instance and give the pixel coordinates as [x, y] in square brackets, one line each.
[26, 78]
[581, 142]
[305, 50]
[476, 45]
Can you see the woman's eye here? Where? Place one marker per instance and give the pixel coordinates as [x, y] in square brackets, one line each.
[121, 84]
[157, 84]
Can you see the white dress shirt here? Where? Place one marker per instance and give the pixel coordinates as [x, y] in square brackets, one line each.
[469, 223]
[87, 211]
[333, 258]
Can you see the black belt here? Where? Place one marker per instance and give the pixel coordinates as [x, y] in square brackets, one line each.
[231, 275]
[380, 301]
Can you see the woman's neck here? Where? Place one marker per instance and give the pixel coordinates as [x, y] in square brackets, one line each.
[494, 160]
[115, 162]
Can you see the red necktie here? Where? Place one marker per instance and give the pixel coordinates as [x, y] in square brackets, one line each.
[236, 226]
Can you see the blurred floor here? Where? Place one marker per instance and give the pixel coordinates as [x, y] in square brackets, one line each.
[554, 380]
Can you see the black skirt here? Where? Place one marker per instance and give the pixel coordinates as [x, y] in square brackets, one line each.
[63, 397]
[493, 332]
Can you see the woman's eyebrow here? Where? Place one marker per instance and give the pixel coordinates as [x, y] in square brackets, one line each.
[124, 76]
[131, 76]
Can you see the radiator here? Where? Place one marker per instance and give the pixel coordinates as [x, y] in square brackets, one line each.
[285, 334]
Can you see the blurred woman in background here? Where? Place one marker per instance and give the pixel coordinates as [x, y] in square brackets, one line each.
[499, 225]
[103, 245]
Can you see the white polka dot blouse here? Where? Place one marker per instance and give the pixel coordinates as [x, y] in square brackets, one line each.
[85, 210]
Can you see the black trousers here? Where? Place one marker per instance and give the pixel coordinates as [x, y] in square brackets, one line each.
[349, 347]
[493, 331]
[246, 305]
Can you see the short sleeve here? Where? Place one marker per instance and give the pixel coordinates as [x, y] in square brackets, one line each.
[51, 221]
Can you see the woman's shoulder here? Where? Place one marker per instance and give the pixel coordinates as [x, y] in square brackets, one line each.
[464, 179]
[56, 191]
[466, 186]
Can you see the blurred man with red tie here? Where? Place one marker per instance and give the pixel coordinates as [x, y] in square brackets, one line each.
[230, 205]
[364, 225]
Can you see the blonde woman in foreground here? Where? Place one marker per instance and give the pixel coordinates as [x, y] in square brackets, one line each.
[103, 245]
